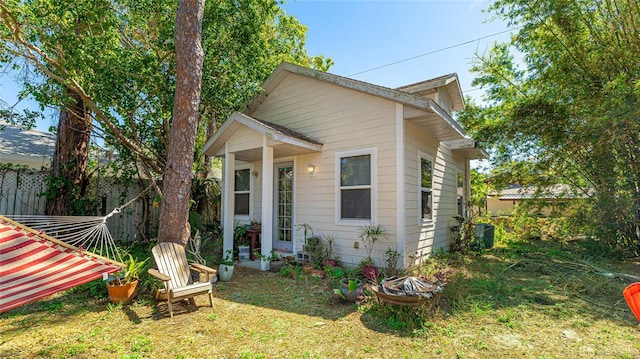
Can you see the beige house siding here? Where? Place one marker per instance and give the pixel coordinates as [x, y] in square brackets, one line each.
[424, 238]
[364, 122]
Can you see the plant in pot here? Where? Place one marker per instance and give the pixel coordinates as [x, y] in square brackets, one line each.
[123, 287]
[391, 257]
[265, 260]
[350, 287]
[330, 255]
[369, 235]
[306, 228]
[226, 267]
[239, 234]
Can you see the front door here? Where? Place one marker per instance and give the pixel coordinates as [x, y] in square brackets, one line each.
[283, 203]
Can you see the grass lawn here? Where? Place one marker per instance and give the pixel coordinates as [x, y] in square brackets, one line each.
[519, 300]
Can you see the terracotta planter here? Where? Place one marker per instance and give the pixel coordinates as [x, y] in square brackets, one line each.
[123, 293]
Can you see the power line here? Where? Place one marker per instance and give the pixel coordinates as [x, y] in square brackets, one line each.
[435, 51]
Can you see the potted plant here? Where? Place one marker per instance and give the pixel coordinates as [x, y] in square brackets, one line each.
[307, 229]
[239, 234]
[123, 287]
[265, 260]
[226, 267]
[369, 235]
[350, 290]
[255, 225]
[391, 257]
[330, 255]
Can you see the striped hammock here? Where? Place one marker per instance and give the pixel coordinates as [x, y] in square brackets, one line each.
[34, 265]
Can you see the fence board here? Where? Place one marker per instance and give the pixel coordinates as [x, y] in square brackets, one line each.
[20, 194]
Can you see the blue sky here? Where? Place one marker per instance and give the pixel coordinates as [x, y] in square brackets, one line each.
[363, 37]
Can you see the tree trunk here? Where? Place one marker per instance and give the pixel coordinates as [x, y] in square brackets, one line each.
[69, 179]
[174, 213]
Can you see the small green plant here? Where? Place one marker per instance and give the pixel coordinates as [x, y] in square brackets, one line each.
[271, 257]
[391, 257]
[228, 258]
[131, 271]
[369, 235]
[286, 271]
[239, 233]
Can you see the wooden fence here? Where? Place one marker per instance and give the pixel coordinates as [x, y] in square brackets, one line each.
[21, 189]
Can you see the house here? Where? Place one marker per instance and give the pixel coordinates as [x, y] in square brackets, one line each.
[339, 154]
[30, 148]
[558, 199]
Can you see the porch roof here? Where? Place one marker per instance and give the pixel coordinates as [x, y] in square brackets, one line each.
[285, 141]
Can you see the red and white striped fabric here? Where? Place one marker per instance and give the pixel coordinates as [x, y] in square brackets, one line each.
[32, 267]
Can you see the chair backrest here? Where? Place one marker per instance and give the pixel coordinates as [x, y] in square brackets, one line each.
[171, 260]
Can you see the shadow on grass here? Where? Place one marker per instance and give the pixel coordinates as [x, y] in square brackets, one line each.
[51, 310]
[306, 295]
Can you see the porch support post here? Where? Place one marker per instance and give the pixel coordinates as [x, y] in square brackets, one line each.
[267, 200]
[228, 201]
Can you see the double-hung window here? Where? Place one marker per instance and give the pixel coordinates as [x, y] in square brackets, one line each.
[356, 185]
[426, 188]
[460, 193]
[242, 191]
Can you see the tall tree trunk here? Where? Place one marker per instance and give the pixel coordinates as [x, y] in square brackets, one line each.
[174, 213]
[68, 169]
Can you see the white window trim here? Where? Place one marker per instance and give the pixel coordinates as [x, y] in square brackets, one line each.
[460, 172]
[373, 152]
[242, 217]
[421, 220]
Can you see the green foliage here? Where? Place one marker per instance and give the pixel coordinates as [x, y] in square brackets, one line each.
[120, 56]
[369, 235]
[228, 258]
[131, 271]
[567, 111]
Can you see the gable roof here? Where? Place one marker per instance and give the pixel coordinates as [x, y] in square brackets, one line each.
[450, 82]
[286, 142]
[25, 147]
[421, 111]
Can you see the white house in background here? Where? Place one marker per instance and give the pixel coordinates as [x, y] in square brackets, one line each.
[339, 154]
[26, 147]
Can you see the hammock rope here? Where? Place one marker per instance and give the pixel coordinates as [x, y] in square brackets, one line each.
[89, 233]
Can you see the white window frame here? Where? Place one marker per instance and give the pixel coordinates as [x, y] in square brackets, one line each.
[421, 219]
[460, 172]
[242, 217]
[373, 153]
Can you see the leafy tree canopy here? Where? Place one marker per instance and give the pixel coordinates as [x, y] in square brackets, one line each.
[563, 106]
[119, 56]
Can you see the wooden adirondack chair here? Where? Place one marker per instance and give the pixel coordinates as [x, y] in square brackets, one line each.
[175, 272]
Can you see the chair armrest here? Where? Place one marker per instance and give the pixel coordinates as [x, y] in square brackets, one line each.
[163, 277]
[202, 268]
